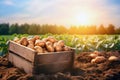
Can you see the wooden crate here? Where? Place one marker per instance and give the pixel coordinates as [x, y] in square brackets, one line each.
[35, 63]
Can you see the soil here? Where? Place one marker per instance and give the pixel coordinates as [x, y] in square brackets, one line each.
[83, 69]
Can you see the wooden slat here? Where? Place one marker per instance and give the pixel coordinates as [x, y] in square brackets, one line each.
[22, 51]
[20, 63]
[54, 57]
[53, 67]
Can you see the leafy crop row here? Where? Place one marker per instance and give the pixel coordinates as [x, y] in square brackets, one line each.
[79, 42]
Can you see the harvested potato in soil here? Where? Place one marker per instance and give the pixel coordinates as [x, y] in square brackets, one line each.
[83, 69]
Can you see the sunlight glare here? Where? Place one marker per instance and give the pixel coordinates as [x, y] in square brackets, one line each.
[83, 18]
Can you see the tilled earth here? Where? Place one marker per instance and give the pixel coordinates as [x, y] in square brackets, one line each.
[83, 69]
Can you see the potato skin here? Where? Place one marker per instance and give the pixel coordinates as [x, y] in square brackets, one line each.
[98, 59]
[61, 43]
[51, 39]
[38, 49]
[23, 41]
[16, 39]
[50, 48]
[49, 43]
[66, 48]
[30, 46]
[113, 58]
[36, 37]
[58, 48]
[45, 39]
[39, 43]
[31, 40]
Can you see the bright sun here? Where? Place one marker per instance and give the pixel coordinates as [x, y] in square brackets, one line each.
[83, 18]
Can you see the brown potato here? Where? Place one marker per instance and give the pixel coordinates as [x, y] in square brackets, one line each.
[44, 50]
[38, 49]
[94, 54]
[31, 40]
[30, 46]
[58, 48]
[55, 44]
[51, 39]
[50, 48]
[16, 39]
[61, 43]
[66, 48]
[98, 59]
[49, 43]
[36, 37]
[45, 39]
[113, 58]
[39, 43]
[23, 41]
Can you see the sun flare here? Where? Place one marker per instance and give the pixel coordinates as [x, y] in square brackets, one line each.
[83, 18]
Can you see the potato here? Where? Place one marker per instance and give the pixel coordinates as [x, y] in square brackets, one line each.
[96, 52]
[113, 58]
[51, 39]
[92, 55]
[44, 50]
[55, 44]
[16, 39]
[61, 43]
[45, 39]
[38, 49]
[31, 40]
[30, 46]
[49, 43]
[66, 48]
[23, 41]
[36, 37]
[58, 48]
[98, 59]
[39, 43]
[50, 48]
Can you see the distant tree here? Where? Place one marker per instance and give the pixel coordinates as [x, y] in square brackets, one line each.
[23, 29]
[4, 28]
[117, 31]
[34, 29]
[101, 29]
[73, 30]
[110, 29]
[92, 29]
[13, 28]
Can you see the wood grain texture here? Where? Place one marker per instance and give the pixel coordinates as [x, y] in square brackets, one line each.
[19, 62]
[23, 51]
[54, 57]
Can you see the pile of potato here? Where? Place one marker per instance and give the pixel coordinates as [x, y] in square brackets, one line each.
[98, 58]
[49, 44]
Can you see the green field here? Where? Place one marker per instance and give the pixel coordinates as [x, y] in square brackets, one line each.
[81, 43]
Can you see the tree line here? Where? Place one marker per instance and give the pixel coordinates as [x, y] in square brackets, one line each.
[6, 29]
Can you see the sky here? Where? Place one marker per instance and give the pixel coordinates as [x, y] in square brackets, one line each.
[61, 12]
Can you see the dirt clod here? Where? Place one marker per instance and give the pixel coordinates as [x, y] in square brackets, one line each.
[83, 69]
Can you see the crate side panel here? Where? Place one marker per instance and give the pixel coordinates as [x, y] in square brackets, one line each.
[53, 67]
[20, 63]
[54, 57]
[22, 51]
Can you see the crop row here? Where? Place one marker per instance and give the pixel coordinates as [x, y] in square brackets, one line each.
[81, 43]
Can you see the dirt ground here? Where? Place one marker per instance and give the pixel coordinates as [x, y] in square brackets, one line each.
[83, 69]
